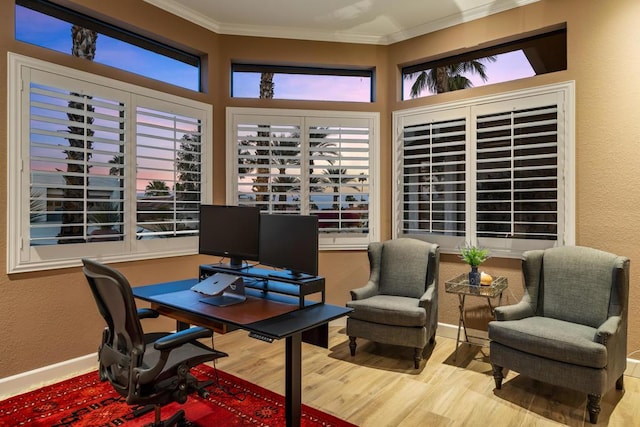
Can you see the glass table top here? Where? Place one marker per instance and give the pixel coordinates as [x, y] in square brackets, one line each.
[460, 285]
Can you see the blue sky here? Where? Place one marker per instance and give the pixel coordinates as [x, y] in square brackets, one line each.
[42, 30]
[39, 29]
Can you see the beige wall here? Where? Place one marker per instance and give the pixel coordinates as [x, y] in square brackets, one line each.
[48, 317]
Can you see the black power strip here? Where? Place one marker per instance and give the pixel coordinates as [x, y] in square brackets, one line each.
[260, 337]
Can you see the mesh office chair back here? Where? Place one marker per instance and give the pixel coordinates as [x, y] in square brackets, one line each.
[150, 368]
[123, 338]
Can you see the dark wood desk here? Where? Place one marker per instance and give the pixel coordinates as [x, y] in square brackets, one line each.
[272, 319]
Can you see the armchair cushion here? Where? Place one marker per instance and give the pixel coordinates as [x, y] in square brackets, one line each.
[553, 339]
[389, 310]
[403, 268]
[581, 277]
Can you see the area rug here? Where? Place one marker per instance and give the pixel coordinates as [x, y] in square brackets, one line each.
[85, 401]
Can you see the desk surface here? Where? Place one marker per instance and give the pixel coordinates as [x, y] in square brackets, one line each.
[266, 316]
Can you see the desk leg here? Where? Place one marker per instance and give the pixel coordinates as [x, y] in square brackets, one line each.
[293, 387]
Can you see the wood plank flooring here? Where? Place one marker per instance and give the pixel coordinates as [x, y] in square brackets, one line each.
[379, 387]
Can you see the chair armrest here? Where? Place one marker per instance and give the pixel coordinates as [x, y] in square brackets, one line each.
[147, 313]
[608, 329]
[166, 345]
[517, 311]
[179, 338]
[366, 291]
[427, 298]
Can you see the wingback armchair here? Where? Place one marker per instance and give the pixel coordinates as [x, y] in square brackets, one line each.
[399, 303]
[570, 328]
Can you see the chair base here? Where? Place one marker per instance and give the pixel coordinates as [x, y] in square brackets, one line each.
[417, 351]
[176, 420]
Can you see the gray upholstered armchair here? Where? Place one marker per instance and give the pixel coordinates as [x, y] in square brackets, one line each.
[570, 328]
[399, 303]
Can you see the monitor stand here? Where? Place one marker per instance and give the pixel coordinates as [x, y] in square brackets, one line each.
[233, 264]
[287, 274]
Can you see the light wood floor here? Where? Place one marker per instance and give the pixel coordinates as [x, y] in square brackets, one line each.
[379, 387]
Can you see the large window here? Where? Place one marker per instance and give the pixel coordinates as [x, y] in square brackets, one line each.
[542, 53]
[496, 172]
[321, 163]
[302, 83]
[100, 168]
[46, 24]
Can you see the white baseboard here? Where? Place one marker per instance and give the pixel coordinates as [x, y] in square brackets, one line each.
[31, 380]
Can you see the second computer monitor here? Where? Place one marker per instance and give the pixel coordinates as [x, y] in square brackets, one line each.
[289, 242]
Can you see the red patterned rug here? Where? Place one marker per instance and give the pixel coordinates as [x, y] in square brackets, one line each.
[85, 401]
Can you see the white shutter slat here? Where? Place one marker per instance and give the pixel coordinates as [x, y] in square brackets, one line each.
[268, 169]
[71, 193]
[339, 176]
[433, 164]
[168, 173]
[512, 199]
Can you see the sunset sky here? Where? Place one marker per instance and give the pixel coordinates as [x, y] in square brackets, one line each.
[39, 29]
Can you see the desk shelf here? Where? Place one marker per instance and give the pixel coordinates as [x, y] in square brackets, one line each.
[270, 284]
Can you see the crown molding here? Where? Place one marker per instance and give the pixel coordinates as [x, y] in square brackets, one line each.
[191, 15]
[211, 24]
[457, 19]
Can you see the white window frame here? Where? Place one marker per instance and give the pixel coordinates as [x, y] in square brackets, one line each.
[327, 241]
[21, 256]
[507, 248]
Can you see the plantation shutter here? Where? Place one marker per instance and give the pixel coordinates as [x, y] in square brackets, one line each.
[319, 163]
[269, 164]
[74, 135]
[339, 174]
[493, 172]
[432, 173]
[168, 173]
[518, 183]
[74, 178]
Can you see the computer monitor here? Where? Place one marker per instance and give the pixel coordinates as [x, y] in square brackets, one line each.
[289, 242]
[230, 231]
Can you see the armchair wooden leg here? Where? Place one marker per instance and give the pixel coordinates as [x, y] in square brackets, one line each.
[497, 375]
[352, 345]
[620, 383]
[417, 357]
[593, 406]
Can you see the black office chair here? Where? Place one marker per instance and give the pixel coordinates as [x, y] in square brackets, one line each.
[147, 369]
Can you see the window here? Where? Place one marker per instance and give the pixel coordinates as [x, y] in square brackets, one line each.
[496, 172]
[302, 83]
[529, 56]
[49, 25]
[100, 168]
[321, 163]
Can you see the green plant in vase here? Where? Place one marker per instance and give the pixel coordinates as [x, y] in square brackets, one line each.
[474, 256]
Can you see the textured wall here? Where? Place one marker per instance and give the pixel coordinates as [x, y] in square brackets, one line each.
[48, 317]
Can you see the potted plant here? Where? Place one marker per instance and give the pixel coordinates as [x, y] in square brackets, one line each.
[474, 256]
